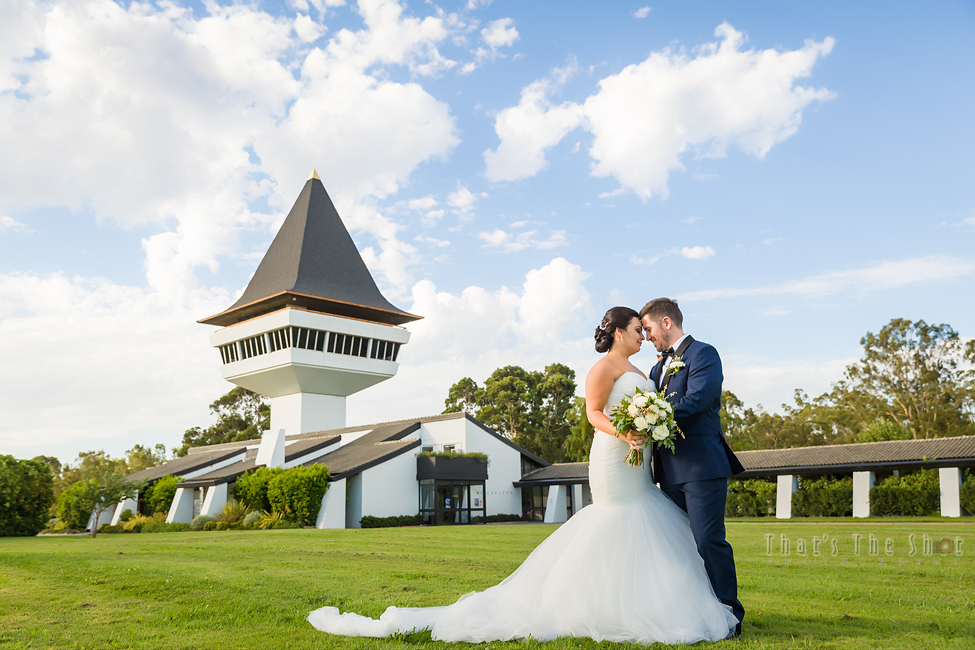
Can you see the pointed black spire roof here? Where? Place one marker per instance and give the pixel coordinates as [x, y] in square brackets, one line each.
[313, 263]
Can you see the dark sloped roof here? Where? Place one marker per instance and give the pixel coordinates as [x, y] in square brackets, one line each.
[436, 418]
[375, 447]
[559, 473]
[883, 456]
[291, 453]
[188, 463]
[313, 263]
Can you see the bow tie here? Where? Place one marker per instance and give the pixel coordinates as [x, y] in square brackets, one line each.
[668, 353]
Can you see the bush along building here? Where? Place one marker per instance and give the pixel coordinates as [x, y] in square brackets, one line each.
[310, 329]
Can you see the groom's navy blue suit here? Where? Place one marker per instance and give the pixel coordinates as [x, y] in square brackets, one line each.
[696, 475]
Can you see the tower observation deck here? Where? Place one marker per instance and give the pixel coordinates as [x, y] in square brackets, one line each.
[312, 327]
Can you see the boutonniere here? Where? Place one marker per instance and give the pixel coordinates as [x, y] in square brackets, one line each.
[676, 365]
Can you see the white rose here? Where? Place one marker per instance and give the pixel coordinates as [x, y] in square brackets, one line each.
[660, 433]
[640, 400]
[640, 423]
[632, 410]
[652, 417]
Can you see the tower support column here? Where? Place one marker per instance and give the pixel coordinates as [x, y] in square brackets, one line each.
[305, 412]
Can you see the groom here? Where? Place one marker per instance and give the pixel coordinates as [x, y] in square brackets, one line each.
[695, 476]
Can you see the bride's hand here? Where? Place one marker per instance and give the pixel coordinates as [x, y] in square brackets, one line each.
[635, 440]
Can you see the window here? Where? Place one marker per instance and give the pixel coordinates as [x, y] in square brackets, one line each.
[308, 339]
[452, 502]
[533, 500]
[449, 448]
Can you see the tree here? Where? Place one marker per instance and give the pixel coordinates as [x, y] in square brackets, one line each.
[26, 494]
[464, 396]
[103, 490]
[241, 415]
[530, 408]
[912, 373]
[70, 510]
[579, 441]
[139, 458]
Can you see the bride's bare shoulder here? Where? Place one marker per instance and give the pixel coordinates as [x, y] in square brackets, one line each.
[604, 371]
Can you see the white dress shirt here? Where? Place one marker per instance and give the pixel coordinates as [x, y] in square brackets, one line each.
[663, 371]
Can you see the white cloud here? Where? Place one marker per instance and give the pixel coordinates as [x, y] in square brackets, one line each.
[9, 223]
[474, 4]
[500, 33]
[532, 127]
[697, 252]
[155, 113]
[513, 243]
[771, 382]
[771, 240]
[691, 219]
[440, 243]
[422, 204]
[430, 218]
[550, 319]
[650, 115]
[642, 12]
[643, 261]
[130, 366]
[463, 200]
[884, 276]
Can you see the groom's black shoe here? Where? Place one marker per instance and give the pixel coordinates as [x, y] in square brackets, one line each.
[735, 634]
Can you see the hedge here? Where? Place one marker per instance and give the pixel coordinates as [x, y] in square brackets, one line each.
[251, 488]
[824, 497]
[70, 510]
[158, 497]
[298, 493]
[968, 496]
[917, 494]
[26, 495]
[391, 522]
[750, 498]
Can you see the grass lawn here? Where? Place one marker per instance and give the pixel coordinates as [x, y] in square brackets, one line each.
[253, 589]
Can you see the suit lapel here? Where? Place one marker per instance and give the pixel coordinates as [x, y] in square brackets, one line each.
[679, 352]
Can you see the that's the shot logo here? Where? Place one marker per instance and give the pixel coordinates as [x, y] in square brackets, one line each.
[857, 548]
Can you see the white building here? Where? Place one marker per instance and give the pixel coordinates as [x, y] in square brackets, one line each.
[312, 328]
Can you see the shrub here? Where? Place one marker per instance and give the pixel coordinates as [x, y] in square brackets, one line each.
[26, 495]
[968, 496]
[499, 518]
[154, 527]
[251, 488]
[750, 498]
[252, 518]
[222, 525]
[135, 524]
[199, 521]
[158, 497]
[210, 525]
[824, 497]
[298, 493]
[233, 511]
[391, 522]
[176, 527]
[270, 519]
[109, 528]
[126, 515]
[284, 523]
[917, 494]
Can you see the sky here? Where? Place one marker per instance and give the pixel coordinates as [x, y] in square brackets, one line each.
[794, 174]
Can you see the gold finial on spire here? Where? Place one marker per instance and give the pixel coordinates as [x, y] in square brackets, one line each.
[314, 174]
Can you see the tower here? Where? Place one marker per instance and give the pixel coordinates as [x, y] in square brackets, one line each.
[312, 327]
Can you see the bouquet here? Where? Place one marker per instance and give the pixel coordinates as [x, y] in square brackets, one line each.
[646, 412]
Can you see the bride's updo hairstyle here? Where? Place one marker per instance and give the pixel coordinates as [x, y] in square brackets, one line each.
[615, 318]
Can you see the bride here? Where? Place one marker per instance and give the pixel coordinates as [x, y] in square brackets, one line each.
[623, 569]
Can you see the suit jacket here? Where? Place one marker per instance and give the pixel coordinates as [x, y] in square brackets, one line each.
[695, 391]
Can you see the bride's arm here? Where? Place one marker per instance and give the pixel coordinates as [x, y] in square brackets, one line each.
[599, 384]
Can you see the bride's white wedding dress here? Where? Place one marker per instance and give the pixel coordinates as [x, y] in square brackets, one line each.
[622, 569]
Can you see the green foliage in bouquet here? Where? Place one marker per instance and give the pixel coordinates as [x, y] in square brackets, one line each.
[647, 413]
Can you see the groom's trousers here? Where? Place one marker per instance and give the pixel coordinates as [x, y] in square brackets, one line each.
[704, 503]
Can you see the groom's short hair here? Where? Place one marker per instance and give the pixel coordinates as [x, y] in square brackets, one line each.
[660, 307]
